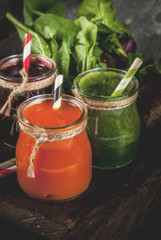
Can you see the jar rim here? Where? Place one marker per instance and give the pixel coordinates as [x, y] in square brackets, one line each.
[46, 97]
[102, 97]
[50, 63]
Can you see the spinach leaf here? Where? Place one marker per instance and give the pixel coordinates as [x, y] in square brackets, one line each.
[158, 66]
[111, 44]
[84, 47]
[144, 57]
[103, 13]
[97, 51]
[88, 8]
[63, 63]
[106, 13]
[38, 45]
[54, 50]
[49, 25]
[32, 8]
[143, 72]
[147, 63]
[64, 58]
[110, 29]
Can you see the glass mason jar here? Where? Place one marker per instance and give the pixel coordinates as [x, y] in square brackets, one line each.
[113, 122]
[53, 163]
[41, 76]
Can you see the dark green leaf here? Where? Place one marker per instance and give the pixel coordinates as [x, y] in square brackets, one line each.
[88, 8]
[86, 37]
[144, 57]
[49, 25]
[143, 72]
[63, 63]
[106, 13]
[101, 65]
[38, 45]
[112, 44]
[147, 63]
[97, 52]
[64, 58]
[54, 50]
[158, 66]
[34, 8]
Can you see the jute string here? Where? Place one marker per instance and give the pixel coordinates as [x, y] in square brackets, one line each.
[42, 136]
[18, 88]
[105, 106]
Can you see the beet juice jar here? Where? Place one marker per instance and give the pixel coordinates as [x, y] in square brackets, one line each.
[53, 152]
[13, 91]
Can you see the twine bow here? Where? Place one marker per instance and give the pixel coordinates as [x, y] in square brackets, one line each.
[41, 136]
[16, 90]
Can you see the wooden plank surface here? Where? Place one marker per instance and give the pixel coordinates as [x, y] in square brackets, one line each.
[117, 201]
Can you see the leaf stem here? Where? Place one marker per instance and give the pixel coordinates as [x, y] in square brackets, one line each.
[36, 12]
[122, 53]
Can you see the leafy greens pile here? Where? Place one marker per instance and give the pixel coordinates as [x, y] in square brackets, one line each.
[95, 39]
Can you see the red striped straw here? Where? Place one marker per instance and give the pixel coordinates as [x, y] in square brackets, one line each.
[8, 171]
[27, 51]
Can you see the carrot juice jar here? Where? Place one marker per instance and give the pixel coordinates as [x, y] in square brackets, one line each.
[53, 152]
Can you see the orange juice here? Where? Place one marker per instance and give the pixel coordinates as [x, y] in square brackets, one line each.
[62, 164]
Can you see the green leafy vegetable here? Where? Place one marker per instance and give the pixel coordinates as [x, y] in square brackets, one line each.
[107, 12]
[32, 8]
[96, 39]
[51, 25]
[144, 57]
[112, 44]
[88, 8]
[147, 63]
[39, 45]
[104, 13]
[54, 50]
[84, 48]
[110, 29]
[62, 33]
[64, 58]
[158, 66]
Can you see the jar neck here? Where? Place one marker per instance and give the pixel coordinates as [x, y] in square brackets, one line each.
[66, 130]
[18, 88]
[101, 102]
[106, 106]
[15, 61]
[105, 98]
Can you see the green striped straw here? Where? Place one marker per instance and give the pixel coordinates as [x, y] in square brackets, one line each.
[127, 78]
[7, 164]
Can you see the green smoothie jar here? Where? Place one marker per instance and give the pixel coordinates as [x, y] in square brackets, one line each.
[113, 122]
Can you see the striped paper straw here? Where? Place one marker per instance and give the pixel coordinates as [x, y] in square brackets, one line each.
[7, 164]
[127, 78]
[27, 51]
[8, 171]
[57, 91]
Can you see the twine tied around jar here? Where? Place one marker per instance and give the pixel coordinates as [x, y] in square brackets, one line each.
[18, 88]
[105, 106]
[42, 136]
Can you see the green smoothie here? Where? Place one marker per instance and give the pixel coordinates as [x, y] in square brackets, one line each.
[114, 133]
[100, 84]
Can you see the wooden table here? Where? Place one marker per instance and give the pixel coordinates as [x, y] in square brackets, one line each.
[117, 201]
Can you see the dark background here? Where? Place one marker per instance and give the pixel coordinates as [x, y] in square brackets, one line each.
[144, 18]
